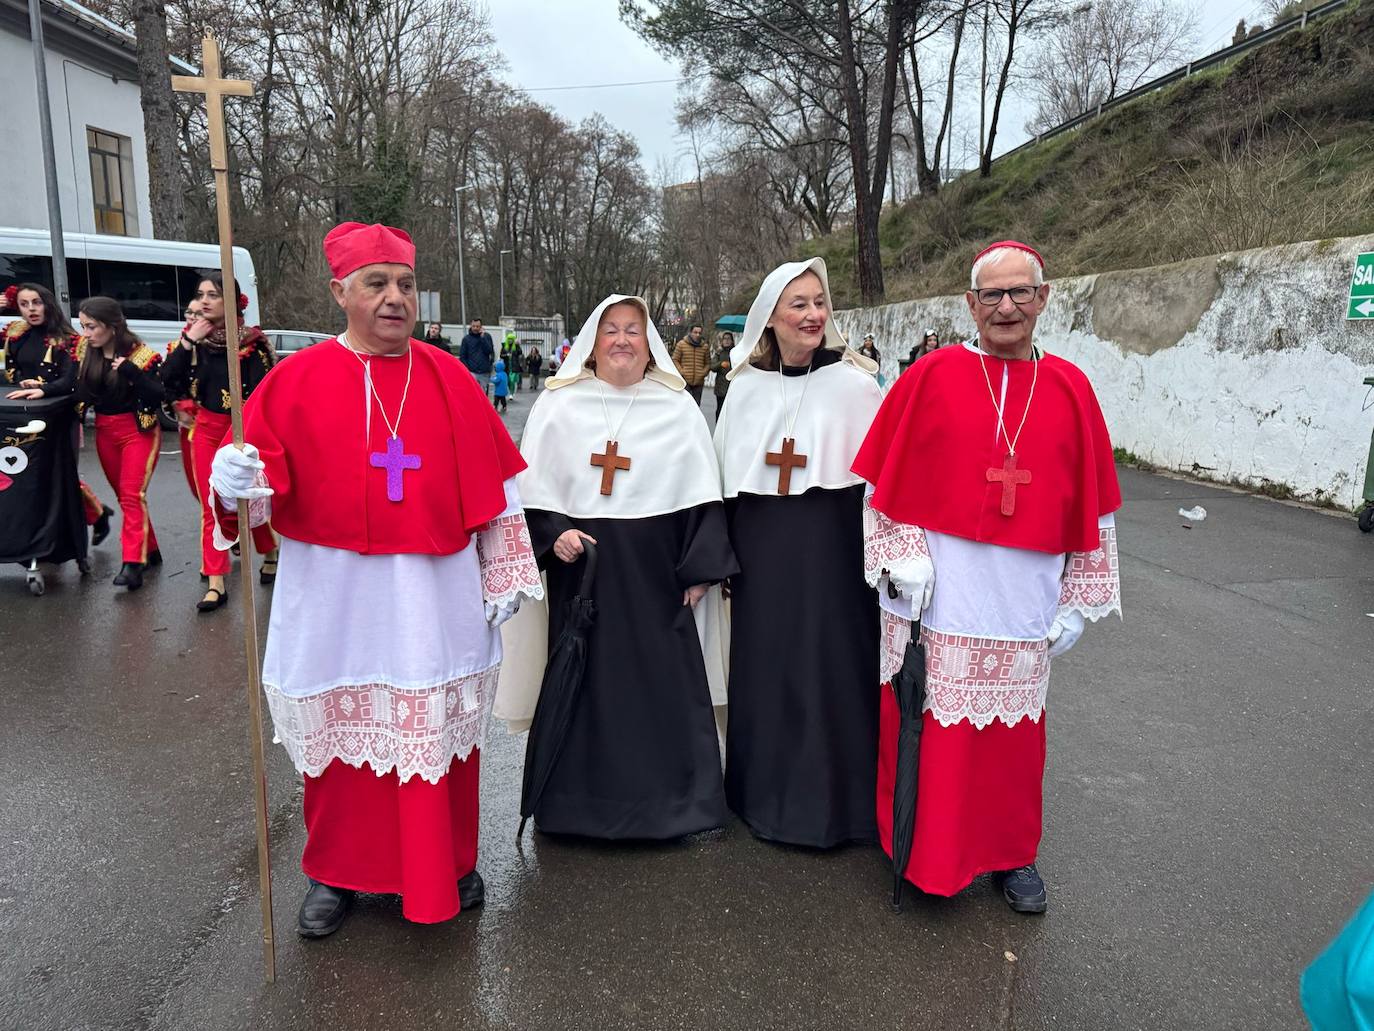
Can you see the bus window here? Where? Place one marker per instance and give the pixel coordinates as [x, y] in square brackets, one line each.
[37, 268]
[143, 291]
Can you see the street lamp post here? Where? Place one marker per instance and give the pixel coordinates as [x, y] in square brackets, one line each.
[503, 283]
[462, 287]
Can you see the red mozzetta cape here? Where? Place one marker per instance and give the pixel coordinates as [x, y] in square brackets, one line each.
[308, 419]
[935, 437]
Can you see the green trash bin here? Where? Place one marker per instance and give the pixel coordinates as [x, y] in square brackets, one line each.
[1367, 512]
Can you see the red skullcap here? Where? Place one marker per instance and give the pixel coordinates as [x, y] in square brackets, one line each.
[1014, 245]
[350, 246]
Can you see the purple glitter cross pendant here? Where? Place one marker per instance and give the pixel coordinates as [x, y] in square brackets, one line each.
[395, 461]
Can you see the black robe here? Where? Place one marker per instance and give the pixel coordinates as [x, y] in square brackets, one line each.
[641, 758]
[802, 738]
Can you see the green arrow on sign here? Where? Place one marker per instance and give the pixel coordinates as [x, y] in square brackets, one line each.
[1362, 288]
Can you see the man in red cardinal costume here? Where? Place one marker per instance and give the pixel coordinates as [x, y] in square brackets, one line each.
[394, 502]
[990, 518]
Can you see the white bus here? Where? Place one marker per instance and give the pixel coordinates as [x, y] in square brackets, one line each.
[151, 279]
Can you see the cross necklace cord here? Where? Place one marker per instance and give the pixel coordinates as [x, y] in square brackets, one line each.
[394, 459]
[788, 458]
[611, 461]
[1008, 475]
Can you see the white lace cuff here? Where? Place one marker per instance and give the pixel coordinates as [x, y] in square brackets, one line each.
[1091, 585]
[504, 551]
[895, 550]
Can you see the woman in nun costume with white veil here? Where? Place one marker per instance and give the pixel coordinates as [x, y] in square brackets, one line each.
[802, 738]
[619, 453]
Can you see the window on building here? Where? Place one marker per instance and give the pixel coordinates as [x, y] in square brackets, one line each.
[112, 182]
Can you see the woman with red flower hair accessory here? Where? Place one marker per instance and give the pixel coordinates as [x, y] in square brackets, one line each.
[197, 368]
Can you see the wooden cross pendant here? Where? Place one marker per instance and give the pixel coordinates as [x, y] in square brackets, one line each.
[1010, 478]
[785, 460]
[611, 463]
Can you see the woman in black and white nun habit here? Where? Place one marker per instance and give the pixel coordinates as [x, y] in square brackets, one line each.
[618, 452]
[802, 737]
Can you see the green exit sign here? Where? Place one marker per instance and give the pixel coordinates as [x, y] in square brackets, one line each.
[1362, 288]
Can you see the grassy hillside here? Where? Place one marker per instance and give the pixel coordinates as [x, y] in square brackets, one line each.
[1274, 148]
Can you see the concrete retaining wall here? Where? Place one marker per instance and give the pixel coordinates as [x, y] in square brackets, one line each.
[1239, 367]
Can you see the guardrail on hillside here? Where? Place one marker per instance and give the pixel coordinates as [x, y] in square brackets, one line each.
[1215, 58]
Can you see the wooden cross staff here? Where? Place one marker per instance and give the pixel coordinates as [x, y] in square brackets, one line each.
[216, 89]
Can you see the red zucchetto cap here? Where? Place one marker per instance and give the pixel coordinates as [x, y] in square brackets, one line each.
[350, 246]
[1014, 245]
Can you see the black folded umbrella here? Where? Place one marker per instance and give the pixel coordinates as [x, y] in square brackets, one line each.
[909, 685]
[558, 692]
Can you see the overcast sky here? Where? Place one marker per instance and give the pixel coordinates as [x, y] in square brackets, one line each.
[549, 46]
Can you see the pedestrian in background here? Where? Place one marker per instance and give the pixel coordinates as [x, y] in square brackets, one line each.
[870, 351]
[435, 335]
[515, 366]
[693, 359]
[500, 385]
[477, 352]
[117, 375]
[720, 365]
[534, 365]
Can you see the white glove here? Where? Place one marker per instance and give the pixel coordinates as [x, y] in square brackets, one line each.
[237, 474]
[498, 614]
[918, 587]
[1065, 631]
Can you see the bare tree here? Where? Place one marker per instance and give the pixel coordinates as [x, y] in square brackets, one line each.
[1103, 49]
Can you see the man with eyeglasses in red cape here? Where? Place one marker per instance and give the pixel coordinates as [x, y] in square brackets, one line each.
[990, 517]
[395, 502]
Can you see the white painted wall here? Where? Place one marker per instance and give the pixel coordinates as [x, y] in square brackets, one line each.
[79, 96]
[1265, 384]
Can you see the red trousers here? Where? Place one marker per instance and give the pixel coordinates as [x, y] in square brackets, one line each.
[210, 430]
[375, 834]
[128, 456]
[978, 799]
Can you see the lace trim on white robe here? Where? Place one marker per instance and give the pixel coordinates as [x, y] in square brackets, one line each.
[894, 549]
[506, 556]
[1092, 580]
[414, 731]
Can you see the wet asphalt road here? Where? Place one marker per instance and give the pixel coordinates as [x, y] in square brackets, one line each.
[1208, 826]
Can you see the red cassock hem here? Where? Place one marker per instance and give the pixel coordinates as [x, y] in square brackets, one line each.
[377, 835]
[978, 804]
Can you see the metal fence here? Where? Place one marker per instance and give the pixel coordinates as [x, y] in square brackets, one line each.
[1211, 60]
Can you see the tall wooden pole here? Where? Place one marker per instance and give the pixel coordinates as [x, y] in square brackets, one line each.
[216, 89]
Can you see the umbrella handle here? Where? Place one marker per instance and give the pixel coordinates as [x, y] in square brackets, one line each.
[588, 568]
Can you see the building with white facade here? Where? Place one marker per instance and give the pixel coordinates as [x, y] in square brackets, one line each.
[98, 137]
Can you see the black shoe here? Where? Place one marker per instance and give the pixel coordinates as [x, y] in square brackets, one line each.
[100, 529]
[154, 559]
[1024, 890]
[267, 573]
[322, 910]
[472, 892]
[130, 576]
[209, 604]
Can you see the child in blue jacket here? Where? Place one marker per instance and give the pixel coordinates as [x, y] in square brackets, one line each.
[500, 386]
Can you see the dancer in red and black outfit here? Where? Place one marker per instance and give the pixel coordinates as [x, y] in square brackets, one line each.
[117, 374]
[40, 350]
[197, 368]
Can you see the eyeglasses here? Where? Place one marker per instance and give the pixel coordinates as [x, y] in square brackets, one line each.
[1019, 295]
